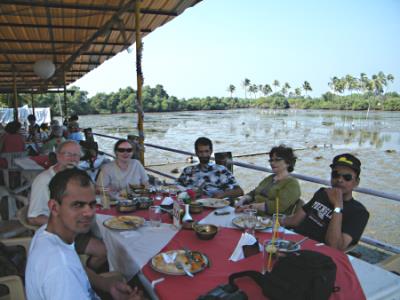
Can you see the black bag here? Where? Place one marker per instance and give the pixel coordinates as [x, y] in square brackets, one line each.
[304, 275]
[224, 292]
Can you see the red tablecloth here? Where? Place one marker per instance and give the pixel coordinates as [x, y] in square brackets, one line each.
[220, 249]
[42, 160]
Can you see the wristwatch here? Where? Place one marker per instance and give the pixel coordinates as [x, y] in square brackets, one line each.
[338, 210]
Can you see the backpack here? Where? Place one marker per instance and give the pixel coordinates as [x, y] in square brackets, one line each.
[303, 275]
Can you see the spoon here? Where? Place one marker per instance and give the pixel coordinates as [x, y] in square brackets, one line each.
[181, 266]
[298, 243]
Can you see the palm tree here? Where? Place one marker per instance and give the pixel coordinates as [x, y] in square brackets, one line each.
[253, 89]
[390, 78]
[351, 84]
[231, 89]
[245, 84]
[297, 92]
[276, 84]
[266, 89]
[307, 87]
[285, 89]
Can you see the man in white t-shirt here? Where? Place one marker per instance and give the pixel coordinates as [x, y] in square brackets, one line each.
[54, 270]
[68, 155]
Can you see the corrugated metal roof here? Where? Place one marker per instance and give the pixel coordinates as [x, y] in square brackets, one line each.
[76, 35]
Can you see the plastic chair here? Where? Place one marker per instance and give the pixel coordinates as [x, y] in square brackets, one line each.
[15, 286]
[23, 219]
[391, 264]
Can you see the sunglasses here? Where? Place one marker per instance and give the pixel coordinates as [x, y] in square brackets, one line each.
[346, 177]
[275, 159]
[122, 150]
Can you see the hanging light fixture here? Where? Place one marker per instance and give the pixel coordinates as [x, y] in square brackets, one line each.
[44, 68]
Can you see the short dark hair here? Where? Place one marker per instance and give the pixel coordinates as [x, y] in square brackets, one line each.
[13, 127]
[31, 117]
[286, 153]
[58, 184]
[119, 142]
[203, 141]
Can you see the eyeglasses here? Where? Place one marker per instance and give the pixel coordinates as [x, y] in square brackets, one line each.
[346, 177]
[70, 154]
[275, 159]
[122, 150]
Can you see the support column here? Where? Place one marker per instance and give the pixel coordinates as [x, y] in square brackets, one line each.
[139, 76]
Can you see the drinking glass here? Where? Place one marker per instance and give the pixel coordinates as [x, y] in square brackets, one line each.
[277, 228]
[270, 255]
[155, 216]
[250, 220]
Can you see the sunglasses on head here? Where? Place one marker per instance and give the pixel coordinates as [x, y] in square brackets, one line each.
[346, 177]
[122, 150]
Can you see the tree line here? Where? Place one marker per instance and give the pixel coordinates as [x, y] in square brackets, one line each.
[347, 93]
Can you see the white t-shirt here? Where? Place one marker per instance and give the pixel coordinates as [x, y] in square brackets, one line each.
[40, 194]
[112, 176]
[54, 270]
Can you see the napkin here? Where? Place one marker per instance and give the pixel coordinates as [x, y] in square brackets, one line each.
[169, 258]
[245, 240]
[167, 201]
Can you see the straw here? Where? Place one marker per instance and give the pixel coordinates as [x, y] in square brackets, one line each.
[274, 232]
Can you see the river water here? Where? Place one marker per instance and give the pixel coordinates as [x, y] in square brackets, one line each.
[316, 135]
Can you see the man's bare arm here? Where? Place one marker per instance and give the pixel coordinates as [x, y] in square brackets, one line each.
[39, 220]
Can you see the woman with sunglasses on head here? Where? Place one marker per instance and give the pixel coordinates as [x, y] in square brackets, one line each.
[280, 184]
[123, 171]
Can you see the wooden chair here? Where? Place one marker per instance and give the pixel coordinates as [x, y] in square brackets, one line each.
[391, 264]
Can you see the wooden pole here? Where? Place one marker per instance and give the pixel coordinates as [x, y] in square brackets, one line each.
[65, 101]
[139, 76]
[32, 104]
[15, 102]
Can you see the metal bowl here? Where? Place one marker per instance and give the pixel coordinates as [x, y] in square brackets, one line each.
[126, 206]
[195, 208]
[205, 231]
[188, 225]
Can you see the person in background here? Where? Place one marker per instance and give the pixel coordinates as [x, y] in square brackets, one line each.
[32, 128]
[333, 216]
[118, 175]
[280, 185]
[211, 179]
[55, 139]
[68, 155]
[54, 270]
[75, 133]
[12, 140]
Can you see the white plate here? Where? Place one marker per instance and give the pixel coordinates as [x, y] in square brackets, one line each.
[262, 223]
[124, 222]
[213, 202]
[284, 245]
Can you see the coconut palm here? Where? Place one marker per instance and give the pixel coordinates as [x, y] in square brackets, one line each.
[245, 84]
[266, 89]
[253, 89]
[276, 84]
[307, 87]
[390, 78]
[285, 89]
[231, 89]
[297, 92]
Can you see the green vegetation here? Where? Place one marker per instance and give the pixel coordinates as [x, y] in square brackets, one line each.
[348, 93]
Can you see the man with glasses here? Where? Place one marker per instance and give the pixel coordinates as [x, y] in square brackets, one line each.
[68, 155]
[333, 216]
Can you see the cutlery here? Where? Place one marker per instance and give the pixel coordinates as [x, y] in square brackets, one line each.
[181, 266]
[188, 254]
[298, 243]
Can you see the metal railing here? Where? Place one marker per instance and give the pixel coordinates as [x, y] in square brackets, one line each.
[364, 239]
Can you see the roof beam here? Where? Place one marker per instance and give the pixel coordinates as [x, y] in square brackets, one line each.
[59, 42]
[100, 8]
[48, 52]
[31, 25]
[32, 63]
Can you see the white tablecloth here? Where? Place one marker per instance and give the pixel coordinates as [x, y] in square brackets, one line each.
[26, 163]
[129, 251]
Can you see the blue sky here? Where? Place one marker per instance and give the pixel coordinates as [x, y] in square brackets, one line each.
[221, 42]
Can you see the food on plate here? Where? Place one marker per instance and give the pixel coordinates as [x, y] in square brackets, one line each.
[195, 262]
[124, 222]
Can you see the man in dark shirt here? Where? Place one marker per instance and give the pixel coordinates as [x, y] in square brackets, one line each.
[333, 216]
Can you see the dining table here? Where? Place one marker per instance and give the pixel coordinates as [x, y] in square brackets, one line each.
[130, 252]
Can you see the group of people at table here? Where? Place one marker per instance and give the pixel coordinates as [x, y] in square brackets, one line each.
[63, 203]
